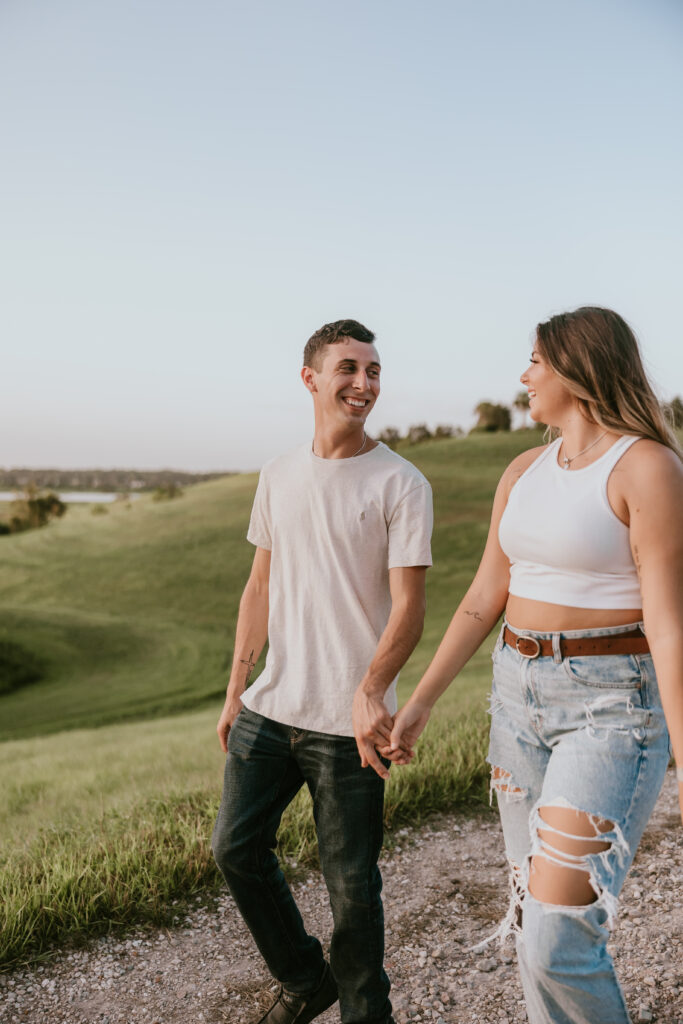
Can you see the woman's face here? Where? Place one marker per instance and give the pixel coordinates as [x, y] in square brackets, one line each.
[550, 400]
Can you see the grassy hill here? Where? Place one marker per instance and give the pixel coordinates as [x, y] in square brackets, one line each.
[132, 614]
[109, 764]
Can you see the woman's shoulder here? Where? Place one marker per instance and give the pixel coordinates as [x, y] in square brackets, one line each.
[648, 466]
[650, 457]
[521, 463]
[519, 466]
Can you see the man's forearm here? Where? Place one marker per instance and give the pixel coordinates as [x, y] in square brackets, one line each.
[396, 644]
[250, 637]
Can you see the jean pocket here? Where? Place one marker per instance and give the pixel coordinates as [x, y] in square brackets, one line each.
[608, 671]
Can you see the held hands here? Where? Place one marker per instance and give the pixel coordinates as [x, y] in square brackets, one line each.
[408, 725]
[372, 728]
[378, 734]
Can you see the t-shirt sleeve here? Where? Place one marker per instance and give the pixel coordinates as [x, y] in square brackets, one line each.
[410, 529]
[259, 524]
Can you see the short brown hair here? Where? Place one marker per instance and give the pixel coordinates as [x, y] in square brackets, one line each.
[332, 334]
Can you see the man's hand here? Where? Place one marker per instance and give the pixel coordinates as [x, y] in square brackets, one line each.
[372, 729]
[231, 709]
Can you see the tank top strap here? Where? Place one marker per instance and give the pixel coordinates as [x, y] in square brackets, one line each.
[613, 454]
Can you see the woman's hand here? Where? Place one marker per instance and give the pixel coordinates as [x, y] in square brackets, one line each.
[408, 724]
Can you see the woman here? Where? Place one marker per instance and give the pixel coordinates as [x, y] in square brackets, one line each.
[585, 556]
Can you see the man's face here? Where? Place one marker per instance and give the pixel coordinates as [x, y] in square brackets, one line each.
[346, 386]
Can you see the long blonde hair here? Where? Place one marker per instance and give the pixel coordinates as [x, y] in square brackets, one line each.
[596, 355]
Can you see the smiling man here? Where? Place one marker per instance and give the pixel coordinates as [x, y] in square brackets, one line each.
[342, 530]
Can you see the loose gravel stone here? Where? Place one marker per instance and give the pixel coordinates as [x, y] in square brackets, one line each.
[445, 889]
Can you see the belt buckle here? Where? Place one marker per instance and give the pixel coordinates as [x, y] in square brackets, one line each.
[528, 654]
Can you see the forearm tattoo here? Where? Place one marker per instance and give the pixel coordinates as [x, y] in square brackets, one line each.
[475, 615]
[251, 665]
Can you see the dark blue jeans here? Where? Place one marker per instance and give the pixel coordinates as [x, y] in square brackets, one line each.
[266, 766]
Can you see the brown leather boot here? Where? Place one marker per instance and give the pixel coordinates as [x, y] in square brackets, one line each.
[290, 1008]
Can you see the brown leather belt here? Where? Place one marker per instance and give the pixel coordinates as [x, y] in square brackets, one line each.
[632, 642]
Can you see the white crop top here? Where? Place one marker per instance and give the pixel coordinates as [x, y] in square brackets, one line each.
[565, 544]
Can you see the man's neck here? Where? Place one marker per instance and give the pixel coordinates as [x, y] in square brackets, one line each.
[341, 445]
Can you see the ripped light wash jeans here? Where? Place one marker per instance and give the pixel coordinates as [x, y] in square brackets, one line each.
[586, 733]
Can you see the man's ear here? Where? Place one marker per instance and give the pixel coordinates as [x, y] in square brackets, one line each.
[308, 377]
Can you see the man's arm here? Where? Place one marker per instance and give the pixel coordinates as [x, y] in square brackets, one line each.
[251, 635]
[371, 720]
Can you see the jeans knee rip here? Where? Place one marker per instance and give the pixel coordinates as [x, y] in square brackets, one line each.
[597, 865]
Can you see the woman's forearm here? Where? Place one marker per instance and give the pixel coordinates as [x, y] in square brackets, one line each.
[474, 619]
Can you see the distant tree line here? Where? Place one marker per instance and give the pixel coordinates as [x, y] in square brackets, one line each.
[492, 416]
[105, 480]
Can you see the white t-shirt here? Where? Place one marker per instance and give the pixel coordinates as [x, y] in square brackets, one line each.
[334, 528]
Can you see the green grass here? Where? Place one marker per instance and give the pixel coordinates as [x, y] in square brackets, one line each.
[110, 766]
[140, 861]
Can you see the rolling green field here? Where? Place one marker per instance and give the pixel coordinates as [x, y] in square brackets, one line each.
[109, 764]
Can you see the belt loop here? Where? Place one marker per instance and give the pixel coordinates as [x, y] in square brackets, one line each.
[557, 650]
[500, 642]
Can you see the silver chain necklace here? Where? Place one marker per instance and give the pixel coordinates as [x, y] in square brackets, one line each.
[365, 438]
[566, 462]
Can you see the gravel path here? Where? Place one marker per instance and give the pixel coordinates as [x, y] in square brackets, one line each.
[445, 890]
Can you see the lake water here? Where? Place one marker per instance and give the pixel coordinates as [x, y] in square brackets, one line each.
[74, 497]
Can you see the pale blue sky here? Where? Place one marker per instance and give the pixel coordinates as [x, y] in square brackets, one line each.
[190, 189]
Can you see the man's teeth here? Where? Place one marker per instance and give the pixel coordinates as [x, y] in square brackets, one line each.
[355, 402]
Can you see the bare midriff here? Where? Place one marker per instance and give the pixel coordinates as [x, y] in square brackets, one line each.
[543, 617]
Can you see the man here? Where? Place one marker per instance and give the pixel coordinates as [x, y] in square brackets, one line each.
[342, 532]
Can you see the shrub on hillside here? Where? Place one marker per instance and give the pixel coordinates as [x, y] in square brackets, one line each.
[417, 433]
[492, 416]
[390, 436]
[674, 412]
[34, 510]
[18, 667]
[167, 492]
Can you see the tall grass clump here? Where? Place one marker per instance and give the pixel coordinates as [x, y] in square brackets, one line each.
[74, 883]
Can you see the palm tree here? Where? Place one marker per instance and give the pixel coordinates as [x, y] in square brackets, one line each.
[521, 404]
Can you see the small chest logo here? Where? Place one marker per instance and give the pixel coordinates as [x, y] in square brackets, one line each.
[362, 516]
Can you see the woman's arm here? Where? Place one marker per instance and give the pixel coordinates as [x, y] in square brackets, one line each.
[652, 485]
[474, 619]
